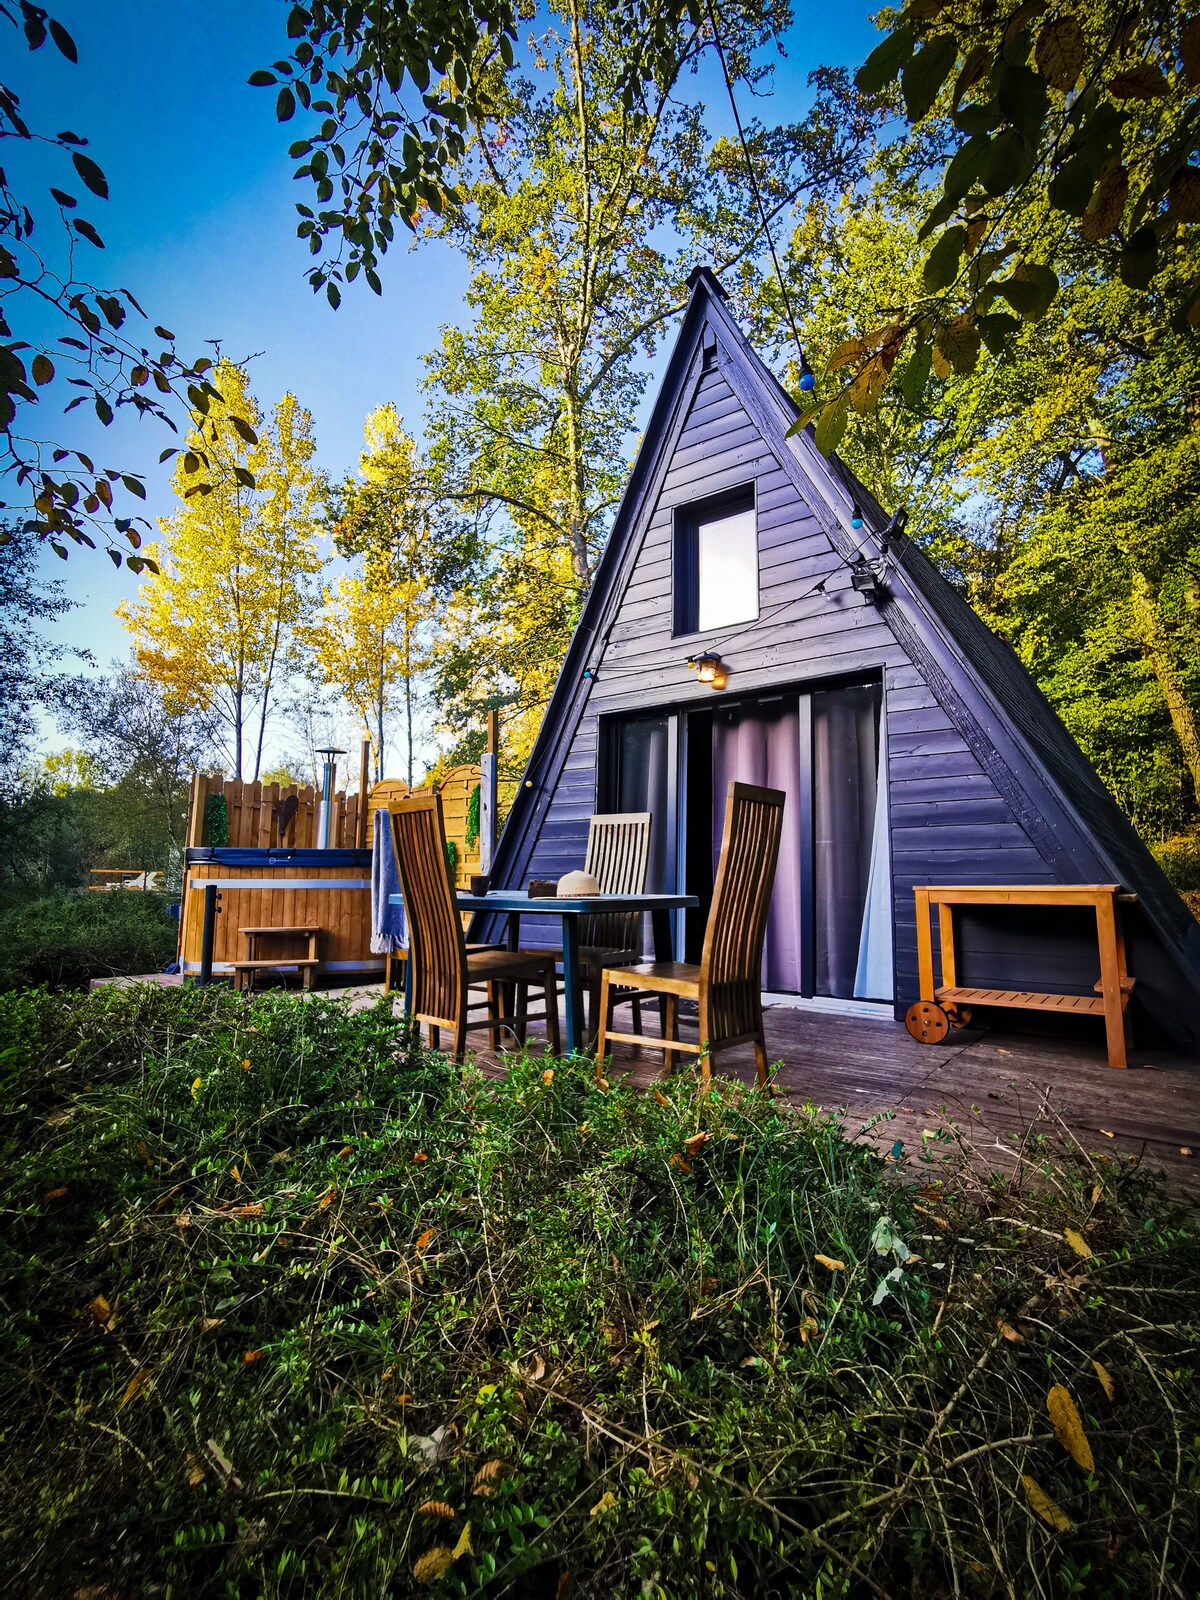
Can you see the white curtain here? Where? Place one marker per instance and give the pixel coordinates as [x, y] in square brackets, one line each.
[873, 979]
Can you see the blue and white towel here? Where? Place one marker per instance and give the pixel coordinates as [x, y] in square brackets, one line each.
[389, 929]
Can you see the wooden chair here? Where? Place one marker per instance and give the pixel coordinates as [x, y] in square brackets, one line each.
[727, 984]
[442, 967]
[618, 853]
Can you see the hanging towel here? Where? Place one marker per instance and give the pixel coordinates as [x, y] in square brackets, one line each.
[389, 930]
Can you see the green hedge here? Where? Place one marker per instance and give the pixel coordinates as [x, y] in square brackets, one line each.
[291, 1308]
[66, 940]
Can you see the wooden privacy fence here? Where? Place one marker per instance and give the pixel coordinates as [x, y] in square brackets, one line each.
[455, 788]
[256, 813]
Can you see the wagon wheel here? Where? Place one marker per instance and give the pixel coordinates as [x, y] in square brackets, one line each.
[927, 1022]
[960, 1016]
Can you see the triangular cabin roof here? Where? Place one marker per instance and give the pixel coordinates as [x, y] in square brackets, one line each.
[1068, 815]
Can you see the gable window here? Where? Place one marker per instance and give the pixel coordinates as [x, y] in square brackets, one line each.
[715, 576]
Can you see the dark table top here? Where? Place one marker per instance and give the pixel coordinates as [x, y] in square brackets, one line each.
[577, 905]
[519, 900]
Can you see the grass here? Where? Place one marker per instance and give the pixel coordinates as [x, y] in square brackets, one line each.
[291, 1307]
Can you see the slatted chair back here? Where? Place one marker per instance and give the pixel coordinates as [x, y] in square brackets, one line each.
[618, 853]
[731, 962]
[437, 948]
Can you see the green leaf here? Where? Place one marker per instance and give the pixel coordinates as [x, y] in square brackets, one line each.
[1071, 186]
[885, 61]
[134, 485]
[996, 329]
[63, 40]
[980, 118]
[925, 74]
[42, 369]
[1008, 164]
[333, 294]
[1023, 97]
[915, 376]
[1030, 290]
[285, 105]
[831, 424]
[261, 80]
[965, 167]
[942, 212]
[941, 266]
[91, 174]
[1139, 259]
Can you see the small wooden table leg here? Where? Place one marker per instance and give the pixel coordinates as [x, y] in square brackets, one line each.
[1110, 979]
[924, 945]
[664, 950]
[573, 985]
[946, 936]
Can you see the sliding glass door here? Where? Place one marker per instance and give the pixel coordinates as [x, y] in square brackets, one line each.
[830, 926]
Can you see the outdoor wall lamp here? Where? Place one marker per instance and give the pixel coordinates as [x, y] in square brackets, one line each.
[711, 670]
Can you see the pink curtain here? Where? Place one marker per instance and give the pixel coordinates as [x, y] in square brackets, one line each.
[760, 744]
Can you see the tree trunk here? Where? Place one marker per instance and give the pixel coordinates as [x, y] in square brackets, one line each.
[577, 498]
[1156, 646]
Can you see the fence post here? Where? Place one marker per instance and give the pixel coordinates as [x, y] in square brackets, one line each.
[208, 931]
[487, 794]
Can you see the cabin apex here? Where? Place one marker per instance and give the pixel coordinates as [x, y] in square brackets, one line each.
[914, 746]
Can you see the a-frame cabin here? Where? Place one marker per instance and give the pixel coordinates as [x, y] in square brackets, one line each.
[912, 743]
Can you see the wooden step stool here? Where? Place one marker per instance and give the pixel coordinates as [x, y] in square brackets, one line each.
[244, 971]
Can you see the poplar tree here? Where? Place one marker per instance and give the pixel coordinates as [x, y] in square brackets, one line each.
[220, 625]
[373, 639]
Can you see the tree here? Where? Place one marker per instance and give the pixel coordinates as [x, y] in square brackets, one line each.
[94, 356]
[141, 746]
[1086, 120]
[67, 770]
[404, 90]
[28, 657]
[587, 209]
[1053, 481]
[220, 625]
[372, 639]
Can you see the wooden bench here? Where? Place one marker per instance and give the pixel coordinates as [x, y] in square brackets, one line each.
[930, 1018]
[244, 971]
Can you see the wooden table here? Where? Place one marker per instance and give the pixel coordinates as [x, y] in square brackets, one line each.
[515, 903]
[1112, 992]
[253, 963]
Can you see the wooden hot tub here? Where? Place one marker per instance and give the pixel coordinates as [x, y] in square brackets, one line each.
[281, 888]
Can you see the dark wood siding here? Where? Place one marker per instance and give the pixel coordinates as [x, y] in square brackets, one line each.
[985, 781]
[949, 822]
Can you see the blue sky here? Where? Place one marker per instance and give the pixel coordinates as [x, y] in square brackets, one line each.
[200, 226]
